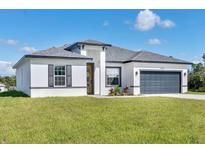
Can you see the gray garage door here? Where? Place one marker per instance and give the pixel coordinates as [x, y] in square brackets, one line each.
[152, 82]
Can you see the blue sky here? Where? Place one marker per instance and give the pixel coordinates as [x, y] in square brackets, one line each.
[179, 33]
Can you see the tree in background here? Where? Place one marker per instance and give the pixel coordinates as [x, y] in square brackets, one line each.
[9, 81]
[197, 77]
[203, 57]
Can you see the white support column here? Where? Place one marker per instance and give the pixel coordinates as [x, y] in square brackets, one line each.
[136, 81]
[184, 81]
[102, 72]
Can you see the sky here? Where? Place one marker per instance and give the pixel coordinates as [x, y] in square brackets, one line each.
[177, 33]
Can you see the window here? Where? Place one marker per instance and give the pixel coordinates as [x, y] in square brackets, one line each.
[113, 76]
[59, 76]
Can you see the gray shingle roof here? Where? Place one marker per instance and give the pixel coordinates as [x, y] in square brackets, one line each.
[58, 52]
[147, 56]
[113, 54]
[117, 54]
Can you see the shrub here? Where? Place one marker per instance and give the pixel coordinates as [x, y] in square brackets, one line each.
[117, 90]
[201, 89]
[125, 90]
[12, 93]
[111, 92]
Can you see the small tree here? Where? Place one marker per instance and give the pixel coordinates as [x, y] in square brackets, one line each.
[197, 67]
[9, 81]
[197, 76]
[195, 81]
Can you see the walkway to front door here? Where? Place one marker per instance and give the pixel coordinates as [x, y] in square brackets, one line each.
[90, 77]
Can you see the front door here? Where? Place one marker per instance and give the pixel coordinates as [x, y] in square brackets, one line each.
[90, 81]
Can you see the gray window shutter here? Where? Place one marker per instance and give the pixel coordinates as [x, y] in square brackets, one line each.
[69, 75]
[50, 75]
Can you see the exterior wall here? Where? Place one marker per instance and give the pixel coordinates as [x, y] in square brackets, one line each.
[52, 92]
[137, 67]
[23, 78]
[39, 78]
[79, 76]
[39, 75]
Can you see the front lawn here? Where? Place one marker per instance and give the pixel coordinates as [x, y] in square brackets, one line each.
[92, 120]
[196, 92]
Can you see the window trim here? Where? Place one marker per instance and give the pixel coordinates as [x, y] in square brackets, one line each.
[54, 76]
[120, 73]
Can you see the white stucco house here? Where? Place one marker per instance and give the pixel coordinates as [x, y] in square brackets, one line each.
[91, 68]
[2, 87]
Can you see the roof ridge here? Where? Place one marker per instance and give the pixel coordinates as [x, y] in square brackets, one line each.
[136, 54]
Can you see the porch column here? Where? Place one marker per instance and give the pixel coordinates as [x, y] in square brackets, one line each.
[102, 72]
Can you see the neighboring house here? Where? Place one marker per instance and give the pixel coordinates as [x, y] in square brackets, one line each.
[92, 67]
[2, 87]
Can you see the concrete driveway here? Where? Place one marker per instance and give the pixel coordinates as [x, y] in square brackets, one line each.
[184, 96]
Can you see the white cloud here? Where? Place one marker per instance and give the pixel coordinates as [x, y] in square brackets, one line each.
[106, 23]
[167, 24]
[6, 68]
[9, 42]
[147, 20]
[28, 49]
[154, 41]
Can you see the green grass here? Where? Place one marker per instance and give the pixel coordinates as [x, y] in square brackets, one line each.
[196, 92]
[92, 120]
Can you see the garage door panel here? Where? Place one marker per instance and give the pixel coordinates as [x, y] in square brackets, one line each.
[159, 82]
